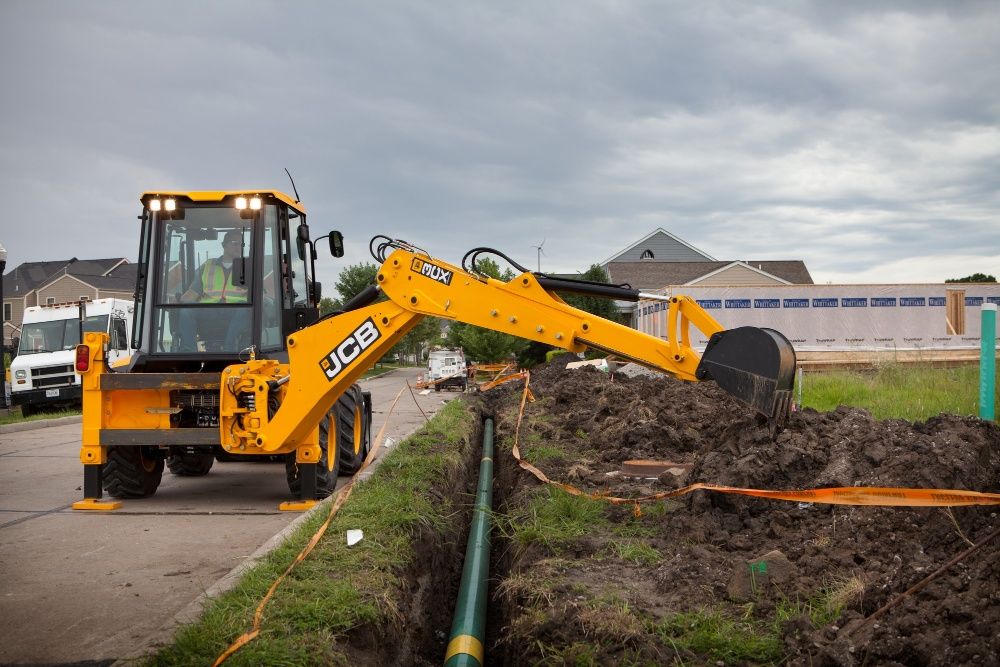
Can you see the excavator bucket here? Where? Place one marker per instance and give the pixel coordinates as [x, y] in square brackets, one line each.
[756, 365]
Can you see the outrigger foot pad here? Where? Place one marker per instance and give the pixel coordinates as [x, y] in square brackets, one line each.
[757, 366]
[297, 505]
[96, 504]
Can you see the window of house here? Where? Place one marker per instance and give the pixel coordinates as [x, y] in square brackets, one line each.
[7, 312]
[646, 254]
[84, 298]
[49, 300]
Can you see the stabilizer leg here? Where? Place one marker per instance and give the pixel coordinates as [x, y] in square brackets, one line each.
[93, 490]
[307, 491]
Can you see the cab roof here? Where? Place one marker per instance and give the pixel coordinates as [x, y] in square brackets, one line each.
[219, 195]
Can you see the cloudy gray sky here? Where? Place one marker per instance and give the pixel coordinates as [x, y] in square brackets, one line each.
[862, 138]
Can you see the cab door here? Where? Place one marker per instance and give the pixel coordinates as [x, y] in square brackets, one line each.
[118, 338]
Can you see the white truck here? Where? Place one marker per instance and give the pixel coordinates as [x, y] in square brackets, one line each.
[446, 368]
[43, 375]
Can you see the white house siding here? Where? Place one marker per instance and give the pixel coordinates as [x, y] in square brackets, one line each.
[737, 275]
[836, 317]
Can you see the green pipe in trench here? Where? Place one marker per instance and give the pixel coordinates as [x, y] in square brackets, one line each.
[468, 627]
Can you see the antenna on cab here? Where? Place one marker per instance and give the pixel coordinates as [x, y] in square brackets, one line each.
[297, 200]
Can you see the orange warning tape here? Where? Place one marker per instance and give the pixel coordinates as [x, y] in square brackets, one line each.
[486, 386]
[341, 498]
[850, 495]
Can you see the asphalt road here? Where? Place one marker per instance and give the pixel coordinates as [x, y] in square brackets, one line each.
[83, 586]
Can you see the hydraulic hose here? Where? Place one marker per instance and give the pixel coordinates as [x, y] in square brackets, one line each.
[468, 627]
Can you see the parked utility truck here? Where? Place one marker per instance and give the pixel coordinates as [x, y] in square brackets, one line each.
[446, 368]
[42, 374]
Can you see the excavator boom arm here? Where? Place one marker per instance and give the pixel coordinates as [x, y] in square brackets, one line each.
[327, 357]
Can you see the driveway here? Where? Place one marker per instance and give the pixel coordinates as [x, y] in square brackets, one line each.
[82, 586]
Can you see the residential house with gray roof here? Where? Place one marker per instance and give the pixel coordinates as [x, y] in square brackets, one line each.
[46, 283]
[660, 259]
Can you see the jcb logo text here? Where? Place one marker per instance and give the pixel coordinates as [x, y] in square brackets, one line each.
[350, 349]
[432, 271]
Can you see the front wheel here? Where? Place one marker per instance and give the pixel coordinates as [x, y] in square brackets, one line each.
[132, 472]
[353, 430]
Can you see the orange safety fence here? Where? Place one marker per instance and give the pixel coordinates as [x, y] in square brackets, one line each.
[341, 498]
[851, 495]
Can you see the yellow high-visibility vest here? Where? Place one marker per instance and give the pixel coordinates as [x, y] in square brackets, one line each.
[218, 287]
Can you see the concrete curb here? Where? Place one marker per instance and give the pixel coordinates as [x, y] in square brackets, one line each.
[40, 423]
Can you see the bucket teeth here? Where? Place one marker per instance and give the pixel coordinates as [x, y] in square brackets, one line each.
[757, 366]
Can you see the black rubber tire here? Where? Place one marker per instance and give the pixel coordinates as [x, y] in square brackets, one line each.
[27, 410]
[190, 464]
[132, 472]
[326, 480]
[353, 431]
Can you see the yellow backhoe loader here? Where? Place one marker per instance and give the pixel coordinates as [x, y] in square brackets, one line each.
[234, 361]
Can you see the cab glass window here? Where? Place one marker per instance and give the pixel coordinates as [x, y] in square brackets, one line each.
[299, 278]
[270, 335]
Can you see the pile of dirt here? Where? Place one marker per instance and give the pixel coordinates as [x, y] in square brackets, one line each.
[813, 571]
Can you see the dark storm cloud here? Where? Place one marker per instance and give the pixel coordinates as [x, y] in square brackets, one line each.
[860, 137]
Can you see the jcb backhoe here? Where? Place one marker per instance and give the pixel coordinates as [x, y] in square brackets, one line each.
[234, 361]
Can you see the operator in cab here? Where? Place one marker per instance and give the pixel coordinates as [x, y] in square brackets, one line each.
[219, 280]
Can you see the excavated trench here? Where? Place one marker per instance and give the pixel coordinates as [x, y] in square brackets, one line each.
[808, 574]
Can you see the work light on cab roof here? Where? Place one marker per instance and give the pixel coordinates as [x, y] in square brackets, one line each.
[166, 204]
[242, 203]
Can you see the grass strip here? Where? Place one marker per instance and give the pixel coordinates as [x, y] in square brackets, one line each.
[337, 588]
[553, 518]
[897, 391]
[16, 418]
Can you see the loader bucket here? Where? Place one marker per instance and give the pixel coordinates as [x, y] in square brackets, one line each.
[755, 365]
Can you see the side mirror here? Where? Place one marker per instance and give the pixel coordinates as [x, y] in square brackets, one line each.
[301, 240]
[15, 344]
[336, 244]
[317, 292]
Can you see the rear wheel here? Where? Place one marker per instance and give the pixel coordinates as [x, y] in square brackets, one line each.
[190, 464]
[132, 472]
[353, 430]
[326, 477]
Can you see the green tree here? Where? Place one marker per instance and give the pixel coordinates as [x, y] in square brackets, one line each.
[485, 344]
[974, 278]
[426, 333]
[355, 278]
[328, 305]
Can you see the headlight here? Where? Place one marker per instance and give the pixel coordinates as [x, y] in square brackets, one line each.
[170, 205]
[20, 375]
[154, 204]
[241, 203]
[255, 203]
